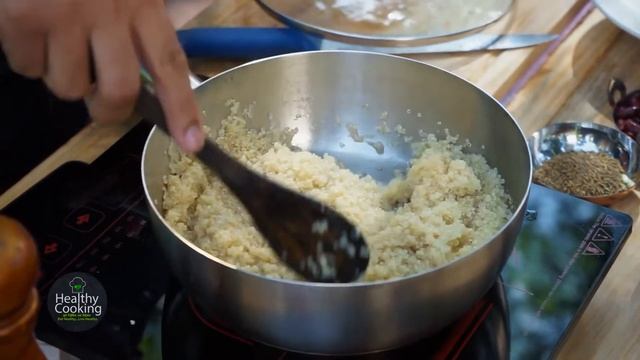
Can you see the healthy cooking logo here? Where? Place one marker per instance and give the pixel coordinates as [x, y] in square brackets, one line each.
[77, 302]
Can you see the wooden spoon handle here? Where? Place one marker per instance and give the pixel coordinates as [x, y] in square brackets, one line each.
[19, 301]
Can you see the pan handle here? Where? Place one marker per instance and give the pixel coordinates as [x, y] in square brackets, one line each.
[241, 43]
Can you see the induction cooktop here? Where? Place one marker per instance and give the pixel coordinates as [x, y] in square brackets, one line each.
[93, 219]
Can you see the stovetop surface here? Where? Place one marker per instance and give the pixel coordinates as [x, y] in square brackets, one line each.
[93, 219]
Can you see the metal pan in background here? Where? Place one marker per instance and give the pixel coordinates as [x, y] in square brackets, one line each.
[388, 22]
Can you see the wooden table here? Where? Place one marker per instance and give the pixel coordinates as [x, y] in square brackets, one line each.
[562, 81]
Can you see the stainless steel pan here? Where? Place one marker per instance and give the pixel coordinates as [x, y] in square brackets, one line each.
[309, 91]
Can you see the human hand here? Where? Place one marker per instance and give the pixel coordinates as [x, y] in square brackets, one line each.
[56, 39]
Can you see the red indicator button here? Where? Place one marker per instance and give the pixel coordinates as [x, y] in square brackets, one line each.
[84, 219]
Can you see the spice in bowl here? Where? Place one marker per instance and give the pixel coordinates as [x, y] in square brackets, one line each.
[583, 174]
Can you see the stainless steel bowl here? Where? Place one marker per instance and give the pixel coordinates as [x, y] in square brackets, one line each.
[321, 93]
[588, 137]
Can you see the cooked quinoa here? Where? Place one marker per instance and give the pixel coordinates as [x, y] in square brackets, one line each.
[448, 203]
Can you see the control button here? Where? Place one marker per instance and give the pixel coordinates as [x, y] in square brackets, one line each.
[84, 219]
[135, 227]
[53, 249]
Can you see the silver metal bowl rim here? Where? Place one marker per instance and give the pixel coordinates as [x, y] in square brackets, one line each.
[578, 125]
[188, 243]
[388, 40]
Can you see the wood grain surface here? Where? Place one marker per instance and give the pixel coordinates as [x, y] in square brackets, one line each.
[572, 86]
[564, 81]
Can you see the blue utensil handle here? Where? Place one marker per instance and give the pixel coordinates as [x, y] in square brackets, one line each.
[244, 43]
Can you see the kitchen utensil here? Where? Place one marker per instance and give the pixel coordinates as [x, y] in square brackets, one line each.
[311, 91]
[623, 13]
[254, 43]
[387, 22]
[585, 136]
[286, 219]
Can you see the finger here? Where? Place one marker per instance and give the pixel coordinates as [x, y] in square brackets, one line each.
[117, 73]
[158, 45]
[25, 52]
[23, 37]
[67, 72]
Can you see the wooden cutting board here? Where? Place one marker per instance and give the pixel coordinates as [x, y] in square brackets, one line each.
[493, 71]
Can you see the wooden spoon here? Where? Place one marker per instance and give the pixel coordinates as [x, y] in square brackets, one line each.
[311, 238]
